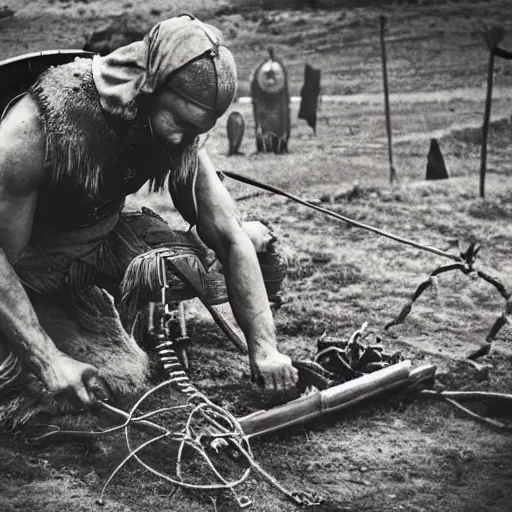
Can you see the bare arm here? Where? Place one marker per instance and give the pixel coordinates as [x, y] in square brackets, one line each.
[219, 228]
[21, 172]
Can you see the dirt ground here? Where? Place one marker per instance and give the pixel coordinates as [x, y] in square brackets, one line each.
[393, 453]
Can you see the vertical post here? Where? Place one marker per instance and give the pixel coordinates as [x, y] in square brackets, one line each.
[392, 172]
[485, 127]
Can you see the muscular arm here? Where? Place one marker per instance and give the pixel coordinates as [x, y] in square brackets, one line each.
[218, 227]
[21, 172]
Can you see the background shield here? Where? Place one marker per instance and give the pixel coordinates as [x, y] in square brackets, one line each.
[309, 96]
[235, 128]
[271, 106]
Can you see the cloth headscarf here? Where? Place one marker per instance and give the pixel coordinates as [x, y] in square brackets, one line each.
[141, 67]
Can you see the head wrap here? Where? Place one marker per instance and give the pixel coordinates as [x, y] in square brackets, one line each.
[142, 67]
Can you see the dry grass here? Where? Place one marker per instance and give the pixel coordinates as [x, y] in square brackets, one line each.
[393, 454]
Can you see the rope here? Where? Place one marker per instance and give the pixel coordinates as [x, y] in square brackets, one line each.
[202, 426]
[204, 420]
[275, 190]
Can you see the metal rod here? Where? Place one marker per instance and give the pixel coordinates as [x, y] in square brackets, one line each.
[392, 172]
[182, 320]
[352, 222]
[485, 127]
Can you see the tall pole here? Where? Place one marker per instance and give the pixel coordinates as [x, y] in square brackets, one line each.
[485, 127]
[492, 35]
[392, 172]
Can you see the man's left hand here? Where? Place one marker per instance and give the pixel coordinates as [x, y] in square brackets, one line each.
[273, 370]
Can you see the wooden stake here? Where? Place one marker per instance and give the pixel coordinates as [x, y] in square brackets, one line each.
[392, 172]
[337, 398]
[485, 127]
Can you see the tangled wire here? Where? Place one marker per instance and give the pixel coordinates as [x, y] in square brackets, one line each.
[466, 265]
[207, 425]
[206, 428]
[339, 360]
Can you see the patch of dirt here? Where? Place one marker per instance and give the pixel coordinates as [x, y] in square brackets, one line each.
[394, 453]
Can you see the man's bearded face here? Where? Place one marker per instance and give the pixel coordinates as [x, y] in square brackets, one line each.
[175, 120]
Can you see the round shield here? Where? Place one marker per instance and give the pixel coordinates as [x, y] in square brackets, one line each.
[18, 74]
[271, 106]
[271, 77]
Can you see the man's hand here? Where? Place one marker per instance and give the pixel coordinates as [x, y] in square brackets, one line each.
[77, 382]
[273, 370]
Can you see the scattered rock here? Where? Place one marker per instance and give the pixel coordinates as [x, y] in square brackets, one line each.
[386, 196]
[91, 478]
[122, 31]
[326, 198]
[321, 257]
[5, 12]
[313, 200]
[351, 193]
[226, 10]
[289, 219]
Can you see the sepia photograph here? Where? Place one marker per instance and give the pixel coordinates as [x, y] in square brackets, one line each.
[256, 255]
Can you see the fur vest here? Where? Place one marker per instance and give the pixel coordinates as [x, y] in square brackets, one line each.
[94, 160]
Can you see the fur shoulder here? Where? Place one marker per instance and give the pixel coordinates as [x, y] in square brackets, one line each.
[80, 144]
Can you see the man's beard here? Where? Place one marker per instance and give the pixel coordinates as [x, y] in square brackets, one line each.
[180, 160]
[184, 164]
[183, 158]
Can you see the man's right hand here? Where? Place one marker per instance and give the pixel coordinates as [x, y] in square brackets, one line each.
[77, 382]
[272, 370]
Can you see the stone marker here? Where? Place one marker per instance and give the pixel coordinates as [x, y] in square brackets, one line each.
[436, 169]
[236, 128]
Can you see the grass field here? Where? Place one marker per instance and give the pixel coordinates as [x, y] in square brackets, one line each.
[393, 454]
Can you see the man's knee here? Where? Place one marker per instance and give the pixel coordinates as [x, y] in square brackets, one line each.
[273, 264]
[260, 235]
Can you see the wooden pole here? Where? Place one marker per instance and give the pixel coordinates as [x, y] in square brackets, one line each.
[392, 172]
[312, 406]
[337, 398]
[227, 328]
[485, 127]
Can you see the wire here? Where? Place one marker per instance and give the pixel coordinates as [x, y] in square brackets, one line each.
[275, 190]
